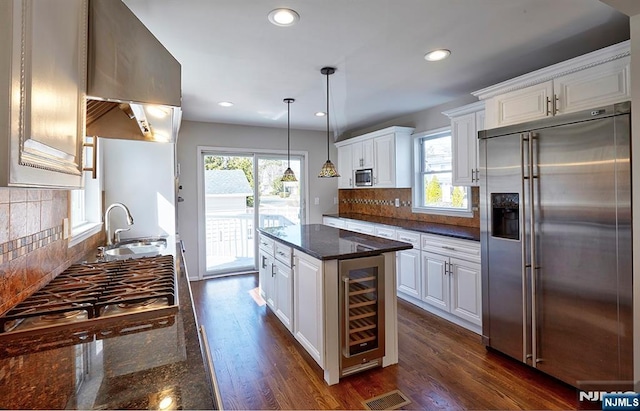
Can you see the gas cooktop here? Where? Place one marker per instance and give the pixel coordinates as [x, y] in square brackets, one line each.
[90, 295]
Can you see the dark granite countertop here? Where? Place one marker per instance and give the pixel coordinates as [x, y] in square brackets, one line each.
[142, 365]
[465, 233]
[329, 243]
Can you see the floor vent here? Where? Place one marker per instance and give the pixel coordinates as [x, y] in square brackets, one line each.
[389, 401]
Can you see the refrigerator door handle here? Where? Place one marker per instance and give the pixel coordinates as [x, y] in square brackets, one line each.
[532, 245]
[524, 138]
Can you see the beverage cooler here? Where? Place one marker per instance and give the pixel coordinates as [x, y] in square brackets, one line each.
[361, 313]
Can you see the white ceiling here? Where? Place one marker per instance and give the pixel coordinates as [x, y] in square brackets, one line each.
[230, 52]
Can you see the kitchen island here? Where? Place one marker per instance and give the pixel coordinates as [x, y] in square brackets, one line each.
[150, 363]
[335, 291]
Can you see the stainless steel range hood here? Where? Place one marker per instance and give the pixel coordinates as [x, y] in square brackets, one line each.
[133, 88]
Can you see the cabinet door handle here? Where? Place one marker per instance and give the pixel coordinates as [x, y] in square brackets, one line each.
[273, 270]
[350, 182]
[264, 262]
[555, 104]
[94, 163]
[549, 108]
[446, 268]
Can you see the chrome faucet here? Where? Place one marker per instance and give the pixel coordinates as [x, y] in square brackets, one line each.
[107, 226]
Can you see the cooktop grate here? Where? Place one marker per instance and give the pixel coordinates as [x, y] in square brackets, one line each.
[84, 290]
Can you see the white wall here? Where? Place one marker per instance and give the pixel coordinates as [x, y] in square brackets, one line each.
[194, 134]
[423, 120]
[140, 175]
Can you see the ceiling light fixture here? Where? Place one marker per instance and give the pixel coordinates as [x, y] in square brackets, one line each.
[320, 114]
[289, 176]
[328, 169]
[283, 17]
[157, 111]
[225, 104]
[437, 55]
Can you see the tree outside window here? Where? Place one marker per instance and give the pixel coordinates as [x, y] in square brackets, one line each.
[437, 191]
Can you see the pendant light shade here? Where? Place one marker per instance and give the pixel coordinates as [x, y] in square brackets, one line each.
[289, 176]
[328, 169]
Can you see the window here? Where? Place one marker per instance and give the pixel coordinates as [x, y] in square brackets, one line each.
[86, 204]
[433, 190]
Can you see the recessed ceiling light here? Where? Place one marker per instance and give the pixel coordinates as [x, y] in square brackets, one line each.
[320, 114]
[225, 104]
[283, 17]
[437, 55]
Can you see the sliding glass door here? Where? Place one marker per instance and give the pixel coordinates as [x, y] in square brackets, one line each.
[279, 202]
[243, 191]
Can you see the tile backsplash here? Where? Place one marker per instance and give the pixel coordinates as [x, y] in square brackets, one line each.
[381, 202]
[32, 250]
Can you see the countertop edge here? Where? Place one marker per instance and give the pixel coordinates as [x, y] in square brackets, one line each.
[445, 230]
[341, 256]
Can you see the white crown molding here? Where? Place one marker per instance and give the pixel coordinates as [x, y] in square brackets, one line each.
[377, 133]
[464, 110]
[604, 55]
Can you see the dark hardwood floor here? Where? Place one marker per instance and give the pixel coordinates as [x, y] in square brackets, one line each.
[259, 364]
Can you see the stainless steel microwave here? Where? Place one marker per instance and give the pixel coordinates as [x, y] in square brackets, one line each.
[364, 177]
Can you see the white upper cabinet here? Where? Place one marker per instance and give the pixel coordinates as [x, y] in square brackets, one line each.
[345, 166]
[519, 106]
[594, 87]
[362, 154]
[466, 121]
[43, 70]
[386, 151]
[384, 174]
[593, 80]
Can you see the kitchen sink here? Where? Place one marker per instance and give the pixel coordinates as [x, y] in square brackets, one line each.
[136, 248]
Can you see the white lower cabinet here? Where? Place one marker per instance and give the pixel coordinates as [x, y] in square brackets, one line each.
[408, 264]
[452, 285]
[333, 222]
[276, 280]
[466, 298]
[308, 305]
[451, 277]
[436, 282]
[265, 274]
[364, 228]
[283, 298]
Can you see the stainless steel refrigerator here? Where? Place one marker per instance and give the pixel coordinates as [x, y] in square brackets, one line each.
[555, 201]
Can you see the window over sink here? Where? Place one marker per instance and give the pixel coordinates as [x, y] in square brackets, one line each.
[433, 191]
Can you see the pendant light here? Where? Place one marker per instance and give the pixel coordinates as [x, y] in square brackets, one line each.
[328, 169]
[289, 176]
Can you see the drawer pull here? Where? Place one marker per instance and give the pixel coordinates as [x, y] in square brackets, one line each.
[406, 239]
[448, 248]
